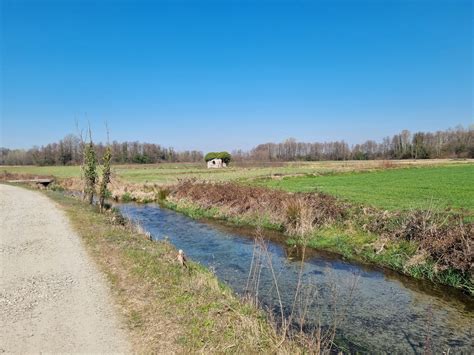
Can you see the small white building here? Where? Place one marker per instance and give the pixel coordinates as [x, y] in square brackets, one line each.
[216, 163]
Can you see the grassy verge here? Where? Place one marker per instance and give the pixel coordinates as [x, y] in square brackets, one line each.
[346, 239]
[169, 308]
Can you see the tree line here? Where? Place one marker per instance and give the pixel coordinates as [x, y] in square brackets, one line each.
[450, 143]
[69, 151]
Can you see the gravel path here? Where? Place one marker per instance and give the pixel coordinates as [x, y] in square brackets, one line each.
[52, 297]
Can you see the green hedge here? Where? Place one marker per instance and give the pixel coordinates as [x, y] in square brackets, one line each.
[225, 156]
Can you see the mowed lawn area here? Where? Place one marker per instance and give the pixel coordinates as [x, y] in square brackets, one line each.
[405, 188]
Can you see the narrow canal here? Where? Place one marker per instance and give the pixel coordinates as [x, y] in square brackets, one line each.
[375, 310]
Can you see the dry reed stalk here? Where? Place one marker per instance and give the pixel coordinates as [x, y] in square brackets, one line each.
[319, 341]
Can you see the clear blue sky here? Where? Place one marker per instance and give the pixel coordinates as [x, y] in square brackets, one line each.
[230, 74]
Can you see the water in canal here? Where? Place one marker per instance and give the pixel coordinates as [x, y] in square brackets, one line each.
[377, 310]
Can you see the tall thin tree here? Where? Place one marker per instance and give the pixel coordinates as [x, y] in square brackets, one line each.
[90, 169]
[106, 160]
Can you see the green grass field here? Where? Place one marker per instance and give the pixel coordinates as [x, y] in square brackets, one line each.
[421, 187]
[418, 184]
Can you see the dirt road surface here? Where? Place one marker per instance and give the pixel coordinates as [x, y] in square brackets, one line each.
[52, 297]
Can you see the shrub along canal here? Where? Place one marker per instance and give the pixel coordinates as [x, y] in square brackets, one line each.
[383, 312]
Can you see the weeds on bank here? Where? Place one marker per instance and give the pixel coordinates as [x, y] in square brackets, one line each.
[424, 244]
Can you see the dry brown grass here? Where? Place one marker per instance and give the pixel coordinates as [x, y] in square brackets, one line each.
[297, 323]
[5, 176]
[449, 240]
[388, 164]
[446, 237]
[298, 213]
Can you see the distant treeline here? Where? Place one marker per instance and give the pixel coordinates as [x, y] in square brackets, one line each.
[68, 151]
[451, 143]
